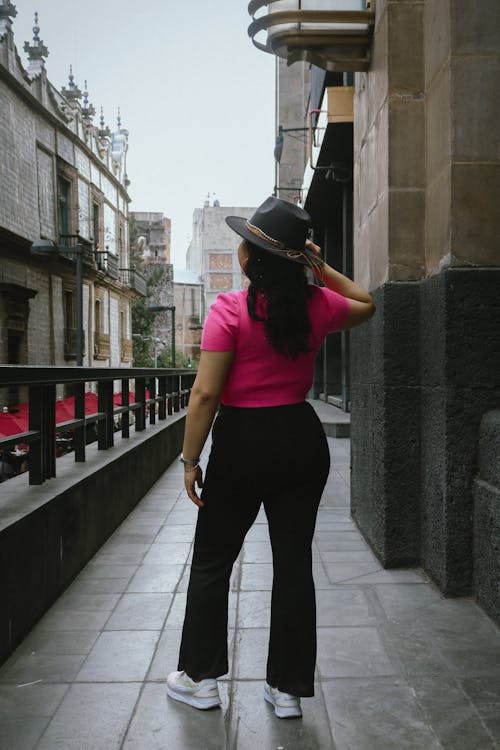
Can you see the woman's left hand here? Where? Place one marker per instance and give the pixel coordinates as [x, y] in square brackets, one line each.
[193, 477]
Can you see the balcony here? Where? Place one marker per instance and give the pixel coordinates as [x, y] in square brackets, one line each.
[333, 34]
[134, 280]
[70, 343]
[112, 266]
[102, 345]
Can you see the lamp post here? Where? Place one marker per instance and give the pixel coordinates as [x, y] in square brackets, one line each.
[47, 247]
[158, 309]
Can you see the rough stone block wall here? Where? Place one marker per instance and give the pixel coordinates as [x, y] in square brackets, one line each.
[422, 378]
[385, 426]
[487, 516]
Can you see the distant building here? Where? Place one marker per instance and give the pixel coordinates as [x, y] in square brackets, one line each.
[63, 179]
[212, 252]
[153, 235]
[189, 312]
[153, 240]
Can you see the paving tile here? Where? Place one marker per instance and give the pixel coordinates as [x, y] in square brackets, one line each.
[256, 577]
[415, 651]
[254, 609]
[185, 516]
[134, 537]
[69, 620]
[160, 722]
[19, 734]
[91, 717]
[403, 598]
[177, 533]
[30, 701]
[450, 713]
[343, 607]
[175, 617]
[119, 656]
[257, 552]
[348, 571]
[353, 652]
[376, 714]
[140, 612]
[155, 578]
[84, 585]
[77, 602]
[484, 692]
[254, 725]
[167, 654]
[161, 501]
[459, 624]
[168, 553]
[472, 662]
[65, 642]
[33, 666]
[376, 576]
[259, 532]
[117, 545]
[107, 570]
[348, 555]
[251, 648]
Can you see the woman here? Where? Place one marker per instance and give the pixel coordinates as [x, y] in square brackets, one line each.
[257, 359]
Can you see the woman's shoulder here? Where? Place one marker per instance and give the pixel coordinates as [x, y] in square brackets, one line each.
[226, 306]
[228, 301]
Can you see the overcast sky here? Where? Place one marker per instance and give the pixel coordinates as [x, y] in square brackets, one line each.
[195, 95]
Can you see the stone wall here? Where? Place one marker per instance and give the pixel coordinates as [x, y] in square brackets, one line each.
[426, 226]
[487, 516]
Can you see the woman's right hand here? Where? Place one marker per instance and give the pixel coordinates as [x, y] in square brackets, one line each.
[193, 477]
[314, 248]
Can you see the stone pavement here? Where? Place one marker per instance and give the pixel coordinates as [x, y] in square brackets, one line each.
[399, 667]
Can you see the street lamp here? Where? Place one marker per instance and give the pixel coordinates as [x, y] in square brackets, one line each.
[47, 247]
[158, 309]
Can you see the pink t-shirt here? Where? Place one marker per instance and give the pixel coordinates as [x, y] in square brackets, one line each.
[259, 375]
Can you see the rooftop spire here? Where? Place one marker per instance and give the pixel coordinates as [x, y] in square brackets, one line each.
[88, 109]
[72, 93]
[103, 131]
[119, 119]
[36, 51]
[7, 9]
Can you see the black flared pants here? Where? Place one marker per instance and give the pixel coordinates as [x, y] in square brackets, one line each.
[277, 456]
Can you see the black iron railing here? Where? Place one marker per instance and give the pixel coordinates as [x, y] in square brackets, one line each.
[168, 393]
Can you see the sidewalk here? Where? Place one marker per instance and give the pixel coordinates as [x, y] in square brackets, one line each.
[399, 666]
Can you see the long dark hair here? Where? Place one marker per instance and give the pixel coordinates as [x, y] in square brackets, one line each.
[284, 286]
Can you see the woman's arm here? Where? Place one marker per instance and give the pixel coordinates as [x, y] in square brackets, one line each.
[361, 303]
[203, 403]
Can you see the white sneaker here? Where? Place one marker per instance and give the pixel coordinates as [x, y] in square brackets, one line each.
[286, 706]
[203, 694]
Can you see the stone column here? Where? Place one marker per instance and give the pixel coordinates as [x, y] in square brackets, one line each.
[426, 228]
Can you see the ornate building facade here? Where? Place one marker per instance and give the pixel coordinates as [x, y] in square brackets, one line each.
[62, 180]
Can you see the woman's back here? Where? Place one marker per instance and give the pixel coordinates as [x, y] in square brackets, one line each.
[260, 375]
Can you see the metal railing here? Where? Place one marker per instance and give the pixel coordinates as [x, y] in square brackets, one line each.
[168, 393]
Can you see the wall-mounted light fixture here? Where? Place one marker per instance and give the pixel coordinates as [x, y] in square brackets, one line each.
[333, 34]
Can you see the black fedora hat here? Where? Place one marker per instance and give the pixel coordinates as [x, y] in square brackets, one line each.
[278, 226]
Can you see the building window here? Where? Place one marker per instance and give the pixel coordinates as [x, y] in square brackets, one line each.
[64, 203]
[96, 224]
[97, 317]
[69, 310]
